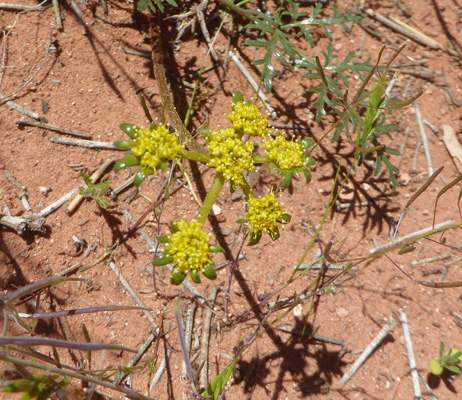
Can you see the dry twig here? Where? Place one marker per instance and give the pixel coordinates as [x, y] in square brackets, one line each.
[410, 354]
[367, 352]
[24, 122]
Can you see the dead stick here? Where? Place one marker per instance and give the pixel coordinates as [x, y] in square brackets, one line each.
[410, 354]
[204, 351]
[367, 352]
[54, 206]
[57, 11]
[138, 355]
[411, 236]
[78, 16]
[91, 144]
[20, 109]
[188, 334]
[160, 371]
[25, 122]
[22, 224]
[423, 134]
[96, 175]
[135, 297]
[261, 95]
[21, 7]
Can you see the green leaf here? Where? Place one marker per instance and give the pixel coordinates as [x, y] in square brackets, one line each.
[128, 161]
[216, 249]
[209, 271]
[142, 174]
[163, 238]
[163, 259]
[285, 218]
[453, 369]
[177, 277]
[435, 367]
[286, 178]
[124, 145]
[195, 276]
[219, 382]
[307, 173]
[237, 97]
[129, 129]
[254, 239]
[274, 235]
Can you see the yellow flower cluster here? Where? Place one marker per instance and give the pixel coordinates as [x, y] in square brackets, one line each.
[264, 214]
[247, 119]
[231, 155]
[285, 154]
[154, 146]
[189, 247]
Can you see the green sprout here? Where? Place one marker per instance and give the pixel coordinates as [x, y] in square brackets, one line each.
[447, 361]
[188, 249]
[95, 191]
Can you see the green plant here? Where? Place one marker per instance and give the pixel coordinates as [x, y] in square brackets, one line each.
[448, 360]
[95, 191]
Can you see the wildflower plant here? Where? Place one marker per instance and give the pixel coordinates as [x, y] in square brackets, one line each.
[232, 152]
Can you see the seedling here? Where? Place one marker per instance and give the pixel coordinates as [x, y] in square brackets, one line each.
[448, 361]
[95, 191]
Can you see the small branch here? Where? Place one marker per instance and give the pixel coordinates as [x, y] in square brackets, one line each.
[261, 95]
[78, 16]
[24, 122]
[367, 352]
[408, 31]
[410, 354]
[96, 175]
[160, 371]
[161, 79]
[23, 224]
[132, 293]
[54, 206]
[57, 11]
[204, 351]
[21, 7]
[91, 144]
[138, 355]
[411, 236]
[423, 134]
[188, 333]
[20, 109]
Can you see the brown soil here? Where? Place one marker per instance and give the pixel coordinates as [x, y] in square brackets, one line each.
[90, 84]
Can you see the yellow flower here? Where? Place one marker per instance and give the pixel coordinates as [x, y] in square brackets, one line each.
[247, 119]
[285, 154]
[231, 156]
[189, 247]
[155, 146]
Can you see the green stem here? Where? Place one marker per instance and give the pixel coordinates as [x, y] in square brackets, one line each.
[159, 73]
[212, 195]
[193, 156]
[247, 189]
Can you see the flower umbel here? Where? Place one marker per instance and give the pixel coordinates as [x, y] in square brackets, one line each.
[188, 249]
[149, 148]
[231, 155]
[285, 154]
[155, 146]
[247, 119]
[264, 215]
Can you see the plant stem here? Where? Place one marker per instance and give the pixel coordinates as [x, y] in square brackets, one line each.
[200, 157]
[159, 73]
[212, 195]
